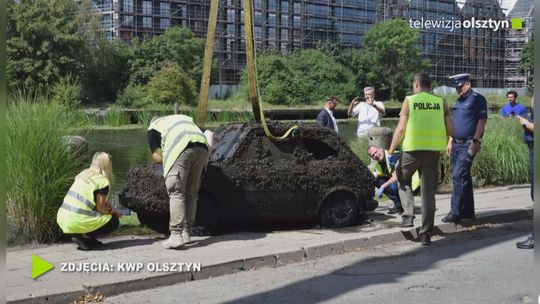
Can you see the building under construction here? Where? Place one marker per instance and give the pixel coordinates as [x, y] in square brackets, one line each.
[514, 44]
[490, 57]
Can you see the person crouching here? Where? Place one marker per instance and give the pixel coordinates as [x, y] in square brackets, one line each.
[86, 213]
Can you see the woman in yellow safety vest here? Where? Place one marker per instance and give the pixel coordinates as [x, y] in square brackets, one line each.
[85, 212]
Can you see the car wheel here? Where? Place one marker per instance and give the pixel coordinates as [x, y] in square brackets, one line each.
[338, 210]
[207, 217]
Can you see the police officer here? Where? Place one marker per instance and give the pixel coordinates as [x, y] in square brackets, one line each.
[469, 116]
[424, 125]
[183, 149]
[528, 137]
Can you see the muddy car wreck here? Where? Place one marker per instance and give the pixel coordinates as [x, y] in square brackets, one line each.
[312, 176]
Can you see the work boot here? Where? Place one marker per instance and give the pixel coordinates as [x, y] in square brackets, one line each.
[451, 218]
[174, 241]
[94, 242]
[527, 244]
[407, 221]
[186, 236]
[425, 239]
[83, 243]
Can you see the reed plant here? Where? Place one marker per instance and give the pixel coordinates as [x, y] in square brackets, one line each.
[40, 167]
[116, 117]
[503, 158]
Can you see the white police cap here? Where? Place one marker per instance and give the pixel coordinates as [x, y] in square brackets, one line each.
[459, 79]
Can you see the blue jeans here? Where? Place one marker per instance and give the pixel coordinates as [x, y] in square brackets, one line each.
[391, 191]
[462, 203]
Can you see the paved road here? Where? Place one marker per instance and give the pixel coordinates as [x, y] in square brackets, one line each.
[477, 266]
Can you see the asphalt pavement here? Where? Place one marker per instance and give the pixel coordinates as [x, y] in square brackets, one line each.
[115, 268]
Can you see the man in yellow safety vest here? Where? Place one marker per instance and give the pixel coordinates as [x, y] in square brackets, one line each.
[424, 126]
[183, 149]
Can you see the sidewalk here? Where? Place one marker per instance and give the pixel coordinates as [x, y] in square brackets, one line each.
[230, 253]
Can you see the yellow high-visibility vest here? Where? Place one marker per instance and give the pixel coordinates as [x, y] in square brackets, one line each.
[426, 130]
[78, 212]
[177, 131]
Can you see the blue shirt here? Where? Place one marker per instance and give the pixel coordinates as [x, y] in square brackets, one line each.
[517, 109]
[466, 113]
[528, 136]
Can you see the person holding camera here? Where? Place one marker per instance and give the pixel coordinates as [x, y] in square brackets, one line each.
[369, 112]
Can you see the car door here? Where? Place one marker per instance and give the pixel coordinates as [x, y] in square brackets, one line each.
[270, 177]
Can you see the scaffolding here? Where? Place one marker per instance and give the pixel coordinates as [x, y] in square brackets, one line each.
[515, 40]
[283, 26]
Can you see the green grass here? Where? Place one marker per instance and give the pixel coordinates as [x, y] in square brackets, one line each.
[130, 225]
[116, 117]
[40, 167]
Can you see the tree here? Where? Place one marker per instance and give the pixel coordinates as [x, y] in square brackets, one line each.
[307, 76]
[106, 70]
[178, 45]
[390, 58]
[526, 63]
[171, 84]
[42, 43]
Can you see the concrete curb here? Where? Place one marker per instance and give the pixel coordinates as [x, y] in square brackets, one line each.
[271, 260]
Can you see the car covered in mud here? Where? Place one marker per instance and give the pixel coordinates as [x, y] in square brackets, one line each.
[311, 176]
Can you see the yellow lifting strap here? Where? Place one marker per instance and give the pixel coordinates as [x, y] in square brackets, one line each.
[253, 88]
[208, 57]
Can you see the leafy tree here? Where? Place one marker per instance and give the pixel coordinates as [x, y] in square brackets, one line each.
[178, 45]
[134, 96]
[171, 84]
[526, 64]
[67, 92]
[389, 60]
[42, 43]
[106, 70]
[303, 77]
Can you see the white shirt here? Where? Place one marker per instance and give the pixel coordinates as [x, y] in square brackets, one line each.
[368, 117]
[333, 119]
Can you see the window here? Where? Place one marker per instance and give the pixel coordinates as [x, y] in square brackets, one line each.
[107, 21]
[284, 20]
[296, 7]
[147, 7]
[147, 22]
[165, 9]
[107, 5]
[127, 21]
[272, 5]
[164, 23]
[128, 6]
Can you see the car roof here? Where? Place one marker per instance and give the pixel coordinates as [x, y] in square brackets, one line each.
[229, 137]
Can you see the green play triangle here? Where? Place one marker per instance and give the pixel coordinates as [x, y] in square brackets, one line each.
[40, 266]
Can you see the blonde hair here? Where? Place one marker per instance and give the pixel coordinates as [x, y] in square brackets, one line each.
[101, 164]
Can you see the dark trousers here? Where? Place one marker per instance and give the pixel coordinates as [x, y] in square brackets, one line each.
[392, 191]
[111, 226]
[531, 169]
[462, 203]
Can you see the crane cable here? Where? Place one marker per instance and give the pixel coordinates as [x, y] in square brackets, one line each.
[253, 86]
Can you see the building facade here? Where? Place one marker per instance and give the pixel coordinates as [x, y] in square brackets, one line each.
[490, 57]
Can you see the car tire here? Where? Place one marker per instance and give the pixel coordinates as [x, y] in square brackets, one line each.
[207, 216]
[338, 210]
